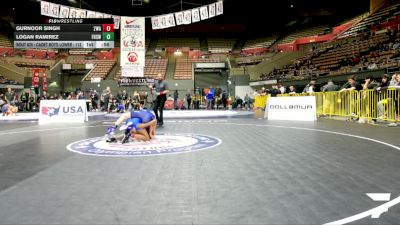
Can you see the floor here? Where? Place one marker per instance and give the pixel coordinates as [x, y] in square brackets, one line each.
[259, 172]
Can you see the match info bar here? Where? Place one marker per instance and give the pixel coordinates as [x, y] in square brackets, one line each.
[78, 35]
[63, 44]
[64, 28]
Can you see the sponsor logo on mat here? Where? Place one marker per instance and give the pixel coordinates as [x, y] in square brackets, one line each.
[162, 145]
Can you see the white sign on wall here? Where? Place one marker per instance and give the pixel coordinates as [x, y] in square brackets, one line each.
[62, 111]
[292, 108]
[132, 71]
[241, 91]
[132, 41]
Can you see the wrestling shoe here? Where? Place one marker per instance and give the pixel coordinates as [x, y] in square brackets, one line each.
[111, 140]
[111, 131]
[125, 139]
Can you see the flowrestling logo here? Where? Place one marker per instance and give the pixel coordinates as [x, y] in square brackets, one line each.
[163, 144]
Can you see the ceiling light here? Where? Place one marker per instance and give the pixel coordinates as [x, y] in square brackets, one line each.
[178, 52]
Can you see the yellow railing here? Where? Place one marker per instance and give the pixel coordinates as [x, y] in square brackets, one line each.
[369, 104]
[260, 101]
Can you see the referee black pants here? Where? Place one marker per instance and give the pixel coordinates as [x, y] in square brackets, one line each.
[159, 105]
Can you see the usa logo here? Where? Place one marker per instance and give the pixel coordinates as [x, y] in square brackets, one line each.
[50, 111]
[163, 144]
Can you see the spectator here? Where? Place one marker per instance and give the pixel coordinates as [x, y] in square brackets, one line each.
[330, 86]
[136, 97]
[188, 99]
[382, 96]
[80, 95]
[370, 83]
[239, 101]
[10, 96]
[224, 98]
[196, 100]
[44, 95]
[395, 83]
[24, 99]
[176, 97]
[210, 98]
[292, 90]
[275, 91]
[247, 101]
[310, 87]
[372, 65]
[124, 96]
[105, 96]
[119, 97]
[94, 98]
[351, 85]
[282, 89]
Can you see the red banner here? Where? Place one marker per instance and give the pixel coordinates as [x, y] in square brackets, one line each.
[35, 77]
[44, 80]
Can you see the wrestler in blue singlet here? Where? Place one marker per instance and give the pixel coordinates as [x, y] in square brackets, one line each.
[145, 115]
[4, 108]
[132, 123]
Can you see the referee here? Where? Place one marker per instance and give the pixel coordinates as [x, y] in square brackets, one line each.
[161, 90]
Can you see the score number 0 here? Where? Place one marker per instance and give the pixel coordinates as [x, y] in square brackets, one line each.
[108, 27]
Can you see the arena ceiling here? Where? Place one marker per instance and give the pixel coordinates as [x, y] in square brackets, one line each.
[239, 16]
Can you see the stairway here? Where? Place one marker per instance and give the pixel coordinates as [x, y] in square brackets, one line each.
[203, 45]
[169, 74]
[238, 46]
[152, 46]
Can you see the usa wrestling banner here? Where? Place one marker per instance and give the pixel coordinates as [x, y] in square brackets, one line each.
[132, 41]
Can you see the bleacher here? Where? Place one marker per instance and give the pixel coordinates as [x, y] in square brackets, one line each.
[28, 64]
[220, 45]
[4, 80]
[264, 42]
[6, 51]
[80, 51]
[341, 57]
[41, 53]
[253, 60]
[184, 67]
[5, 41]
[332, 58]
[152, 68]
[192, 43]
[381, 15]
[155, 66]
[313, 31]
[101, 67]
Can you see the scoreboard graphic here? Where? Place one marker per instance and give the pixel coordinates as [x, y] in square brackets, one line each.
[66, 33]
